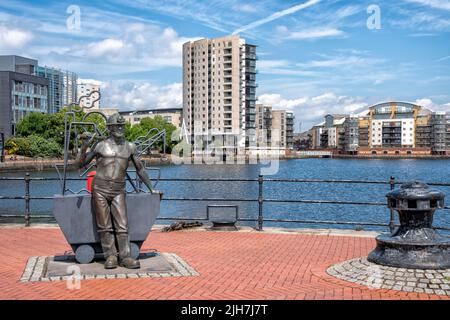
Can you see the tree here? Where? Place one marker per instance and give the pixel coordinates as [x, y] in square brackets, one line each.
[159, 123]
[33, 146]
[33, 123]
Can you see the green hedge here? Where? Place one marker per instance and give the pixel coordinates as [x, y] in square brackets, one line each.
[34, 146]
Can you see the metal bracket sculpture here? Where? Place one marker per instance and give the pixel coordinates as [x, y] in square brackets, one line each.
[143, 143]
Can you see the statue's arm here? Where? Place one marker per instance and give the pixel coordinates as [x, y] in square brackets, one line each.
[141, 172]
[84, 157]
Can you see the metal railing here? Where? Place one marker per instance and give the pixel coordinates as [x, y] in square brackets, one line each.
[260, 200]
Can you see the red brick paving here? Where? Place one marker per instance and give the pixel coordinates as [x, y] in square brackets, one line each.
[232, 265]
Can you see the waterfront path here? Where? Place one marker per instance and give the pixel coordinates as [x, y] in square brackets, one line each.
[231, 265]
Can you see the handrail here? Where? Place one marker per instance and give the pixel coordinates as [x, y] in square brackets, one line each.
[260, 200]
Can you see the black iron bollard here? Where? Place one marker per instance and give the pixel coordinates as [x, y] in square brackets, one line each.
[415, 244]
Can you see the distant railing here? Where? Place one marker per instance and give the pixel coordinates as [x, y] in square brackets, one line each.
[260, 200]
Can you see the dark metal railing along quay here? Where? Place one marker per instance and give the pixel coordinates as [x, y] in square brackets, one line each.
[392, 182]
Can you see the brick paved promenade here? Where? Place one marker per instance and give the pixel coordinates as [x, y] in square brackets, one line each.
[232, 265]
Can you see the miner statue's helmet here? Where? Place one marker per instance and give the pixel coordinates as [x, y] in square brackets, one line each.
[116, 118]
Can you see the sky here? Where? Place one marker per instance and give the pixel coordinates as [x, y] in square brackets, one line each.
[315, 57]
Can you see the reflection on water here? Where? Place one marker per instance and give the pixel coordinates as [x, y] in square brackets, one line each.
[337, 169]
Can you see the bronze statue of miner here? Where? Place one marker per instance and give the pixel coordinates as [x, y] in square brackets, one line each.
[108, 191]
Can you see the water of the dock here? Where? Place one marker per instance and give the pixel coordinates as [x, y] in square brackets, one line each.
[272, 264]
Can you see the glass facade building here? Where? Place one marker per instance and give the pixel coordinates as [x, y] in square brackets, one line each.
[55, 87]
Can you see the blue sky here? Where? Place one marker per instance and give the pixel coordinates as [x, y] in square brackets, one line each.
[315, 57]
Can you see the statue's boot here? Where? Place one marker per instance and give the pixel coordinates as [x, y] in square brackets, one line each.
[109, 249]
[125, 252]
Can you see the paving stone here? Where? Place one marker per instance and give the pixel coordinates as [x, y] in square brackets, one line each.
[422, 285]
[440, 292]
[435, 281]
[433, 286]
[429, 291]
[132, 275]
[419, 290]
[408, 289]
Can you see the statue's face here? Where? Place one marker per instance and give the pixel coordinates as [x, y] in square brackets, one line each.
[116, 130]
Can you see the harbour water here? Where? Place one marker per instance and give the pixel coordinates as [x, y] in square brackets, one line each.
[323, 169]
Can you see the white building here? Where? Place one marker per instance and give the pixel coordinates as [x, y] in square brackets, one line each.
[84, 89]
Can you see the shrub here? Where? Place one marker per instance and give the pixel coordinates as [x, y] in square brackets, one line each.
[33, 146]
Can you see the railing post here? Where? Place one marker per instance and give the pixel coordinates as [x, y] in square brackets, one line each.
[27, 199]
[392, 218]
[260, 202]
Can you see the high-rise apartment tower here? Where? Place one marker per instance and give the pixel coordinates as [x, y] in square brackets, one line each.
[219, 84]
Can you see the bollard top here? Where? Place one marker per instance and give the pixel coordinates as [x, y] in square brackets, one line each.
[416, 190]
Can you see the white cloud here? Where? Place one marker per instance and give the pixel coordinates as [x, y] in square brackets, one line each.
[107, 47]
[268, 64]
[311, 110]
[421, 22]
[315, 34]
[437, 4]
[139, 48]
[14, 38]
[430, 104]
[342, 62]
[246, 8]
[276, 15]
[443, 59]
[91, 81]
[129, 95]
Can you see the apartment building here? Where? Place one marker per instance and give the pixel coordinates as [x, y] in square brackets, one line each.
[219, 89]
[171, 115]
[85, 89]
[28, 87]
[70, 80]
[274, 128]
[390, 128]
[55, 87]
[263, 123]
[21, 91]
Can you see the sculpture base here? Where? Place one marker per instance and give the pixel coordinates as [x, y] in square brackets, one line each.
[401, 253]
